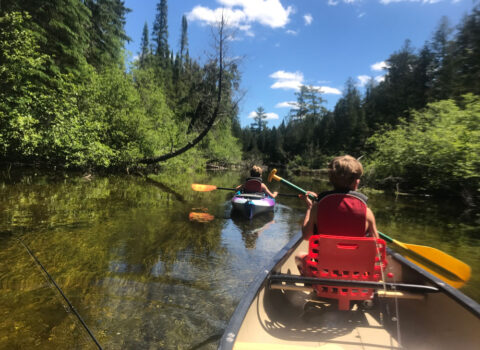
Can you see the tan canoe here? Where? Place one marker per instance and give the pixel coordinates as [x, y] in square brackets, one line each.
[418, 311]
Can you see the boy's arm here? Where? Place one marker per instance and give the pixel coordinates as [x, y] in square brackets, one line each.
[310, 220]
[267, 191]
[371, 225]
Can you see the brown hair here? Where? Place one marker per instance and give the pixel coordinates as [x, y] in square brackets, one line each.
[256, 171]
[343, 171]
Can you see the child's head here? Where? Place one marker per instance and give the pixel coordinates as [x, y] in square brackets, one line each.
[344, 171]
[256, 171]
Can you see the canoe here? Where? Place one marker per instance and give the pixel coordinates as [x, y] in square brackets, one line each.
[281, 310]
[252, 204]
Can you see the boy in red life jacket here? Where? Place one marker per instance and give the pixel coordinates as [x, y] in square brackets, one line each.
[254, 183]
[342, 211]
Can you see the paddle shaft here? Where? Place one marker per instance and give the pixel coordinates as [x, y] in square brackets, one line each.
[278, 194]
[296, 187]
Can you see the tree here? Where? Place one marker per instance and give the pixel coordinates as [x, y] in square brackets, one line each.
[107, 33]
[160, 32]
[221, 41]
[144, 47]
[313, 99]
[184, 38]
[436, 151]
[350, 127]
[260, 120]
[442, 65]
[62, 29]
[466, 53]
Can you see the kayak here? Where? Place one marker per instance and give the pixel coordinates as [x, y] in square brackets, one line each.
[409, 308]
[251, 204]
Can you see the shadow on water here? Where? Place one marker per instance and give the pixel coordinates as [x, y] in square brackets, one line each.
[251, 229]
[141, 274]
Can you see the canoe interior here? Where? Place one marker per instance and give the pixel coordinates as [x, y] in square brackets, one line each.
[286, 319]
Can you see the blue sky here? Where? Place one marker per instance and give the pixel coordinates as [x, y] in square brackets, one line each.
[286, 43]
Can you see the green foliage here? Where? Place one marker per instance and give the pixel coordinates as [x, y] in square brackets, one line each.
[437, 151]
[57, 109]
[106, 32]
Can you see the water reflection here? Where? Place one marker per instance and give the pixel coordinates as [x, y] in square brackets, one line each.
[143, 275]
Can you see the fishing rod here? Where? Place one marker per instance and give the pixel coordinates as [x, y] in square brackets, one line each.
[72, 308]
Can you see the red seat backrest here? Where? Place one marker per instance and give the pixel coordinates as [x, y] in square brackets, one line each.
[253, 185]
[345, 258]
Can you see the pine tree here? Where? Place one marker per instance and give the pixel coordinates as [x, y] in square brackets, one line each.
[260, 117]
[467, 55]
[62, 29]
[184, 38]
[160, 32]
[107, 33]
[144, 47]
[442, 61]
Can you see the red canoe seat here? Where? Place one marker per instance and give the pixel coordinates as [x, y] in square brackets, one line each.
[345, 258]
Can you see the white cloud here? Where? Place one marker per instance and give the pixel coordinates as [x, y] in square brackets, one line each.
[287, 80]
[386, 2]
[270, 116]
[286, 104]
[336, 2]
[379, 78]
[293, 81]
[308, 19]
[242, 14]
[328, 90]
[363, 79]
[360, 15]
[292, 32]
[379, 66]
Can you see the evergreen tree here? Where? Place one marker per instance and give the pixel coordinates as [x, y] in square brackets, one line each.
[349, 121]
[160, 31]
[442, 65]
[184, 38]
[260, 120]
[466, 53]
[107, 33]
[62, 28]
[300, 110]
[313, 99]
[144, 47]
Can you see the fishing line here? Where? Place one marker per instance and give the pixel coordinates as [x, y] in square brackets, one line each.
[50, 279]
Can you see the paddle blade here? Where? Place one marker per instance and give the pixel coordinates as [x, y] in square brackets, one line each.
[203, 188]
[446, 277]
[445, 261]
[200, 217]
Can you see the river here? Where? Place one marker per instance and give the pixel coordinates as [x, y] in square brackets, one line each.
[142, 275]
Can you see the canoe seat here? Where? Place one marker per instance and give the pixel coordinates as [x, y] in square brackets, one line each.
[345, 258]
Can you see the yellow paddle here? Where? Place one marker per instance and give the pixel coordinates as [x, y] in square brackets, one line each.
[444, 266]
[208, 188]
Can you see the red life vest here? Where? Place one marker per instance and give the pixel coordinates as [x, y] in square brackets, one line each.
[252, 185]
[342, 214]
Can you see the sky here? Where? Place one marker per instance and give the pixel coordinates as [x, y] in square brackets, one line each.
[282, 44]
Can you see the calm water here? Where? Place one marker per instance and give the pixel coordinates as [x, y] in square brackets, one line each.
[142, 275]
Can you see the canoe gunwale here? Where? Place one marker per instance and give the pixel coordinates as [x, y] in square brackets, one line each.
[262, 279]
[468, 303]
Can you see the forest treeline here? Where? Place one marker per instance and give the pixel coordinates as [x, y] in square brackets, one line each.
[68, 99]
[418, 130]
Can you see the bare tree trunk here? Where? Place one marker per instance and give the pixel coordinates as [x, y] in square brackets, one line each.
[210, 121]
